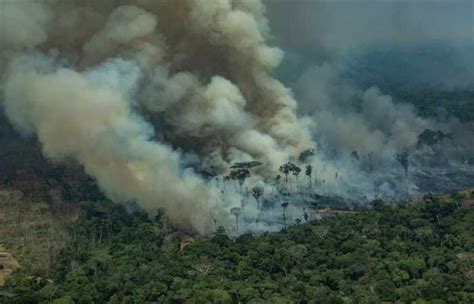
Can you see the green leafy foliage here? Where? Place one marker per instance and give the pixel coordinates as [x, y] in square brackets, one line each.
[419, 253]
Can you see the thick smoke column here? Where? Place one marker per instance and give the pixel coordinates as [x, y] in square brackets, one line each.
[87, 118]
[149, 96]
[115, 87]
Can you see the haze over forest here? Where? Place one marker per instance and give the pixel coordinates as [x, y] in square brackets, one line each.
[222, 121]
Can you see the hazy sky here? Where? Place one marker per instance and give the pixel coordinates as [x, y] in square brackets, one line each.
[416, 42]
[349, 23]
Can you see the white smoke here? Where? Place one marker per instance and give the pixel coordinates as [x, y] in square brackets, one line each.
[117, 87]
[88, 117]
[139, 92]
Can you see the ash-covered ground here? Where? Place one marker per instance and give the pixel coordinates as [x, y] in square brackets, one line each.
[440, 166]
[443, 180]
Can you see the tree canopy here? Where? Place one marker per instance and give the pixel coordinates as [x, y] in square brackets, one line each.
[417, 253]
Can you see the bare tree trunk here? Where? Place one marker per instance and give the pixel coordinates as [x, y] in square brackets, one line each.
[237, 224]
[258, 210]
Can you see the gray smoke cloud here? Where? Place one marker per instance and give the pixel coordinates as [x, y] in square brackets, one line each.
[345, 59]
[133, 89]
[340, 51]
[393, 44]
[146, 93]
[352, 119]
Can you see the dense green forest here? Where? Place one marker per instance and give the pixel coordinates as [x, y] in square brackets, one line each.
[416, 253]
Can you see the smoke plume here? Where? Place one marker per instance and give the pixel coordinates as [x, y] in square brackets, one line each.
[153, 97]
[132, 90]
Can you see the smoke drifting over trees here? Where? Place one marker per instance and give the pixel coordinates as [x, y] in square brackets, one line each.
[146, 94]
[373, 76]
[120, 87]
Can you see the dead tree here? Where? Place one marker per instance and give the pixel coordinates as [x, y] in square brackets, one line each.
[309, 172]
[402, 158]
[236, 212]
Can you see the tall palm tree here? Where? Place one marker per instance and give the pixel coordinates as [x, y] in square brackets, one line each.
[257, 192]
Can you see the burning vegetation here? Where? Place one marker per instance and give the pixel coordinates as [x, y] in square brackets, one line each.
[151, 153]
